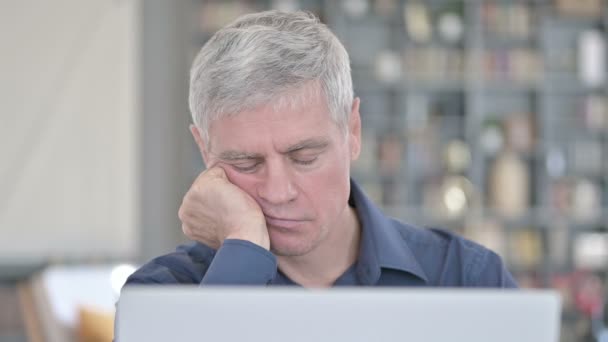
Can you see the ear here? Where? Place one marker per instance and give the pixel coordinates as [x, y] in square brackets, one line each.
[196, 134]
[354, 128]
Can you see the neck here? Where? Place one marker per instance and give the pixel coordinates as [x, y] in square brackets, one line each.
[341, 246]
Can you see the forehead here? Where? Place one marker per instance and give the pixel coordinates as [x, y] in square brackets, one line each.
[283, 122]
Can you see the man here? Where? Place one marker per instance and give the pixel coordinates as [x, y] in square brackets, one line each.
[276, 123]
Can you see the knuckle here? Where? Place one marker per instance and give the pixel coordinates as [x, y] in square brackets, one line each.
[181, 213]
[216, 172]
[186, 230]
[191, 195]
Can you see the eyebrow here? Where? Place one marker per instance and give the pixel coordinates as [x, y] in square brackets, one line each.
[232, 155]
[312, 143]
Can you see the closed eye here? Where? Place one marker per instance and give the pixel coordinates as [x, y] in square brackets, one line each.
[246, 167]
[305, 161]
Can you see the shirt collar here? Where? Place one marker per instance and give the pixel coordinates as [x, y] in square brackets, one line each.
[382, 246]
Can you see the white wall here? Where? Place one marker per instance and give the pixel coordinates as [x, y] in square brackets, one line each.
[69, 129]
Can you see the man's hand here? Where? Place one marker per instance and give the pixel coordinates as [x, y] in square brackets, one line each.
[214, 209]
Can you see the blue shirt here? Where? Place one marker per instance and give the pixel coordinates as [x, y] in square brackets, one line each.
[391, 254]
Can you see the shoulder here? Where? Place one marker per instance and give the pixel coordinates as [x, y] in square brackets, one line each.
[452, 260]
[186, 265]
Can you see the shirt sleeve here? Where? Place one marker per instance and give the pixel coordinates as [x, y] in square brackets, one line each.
[240, 262]
[494, 273]
[184, 266]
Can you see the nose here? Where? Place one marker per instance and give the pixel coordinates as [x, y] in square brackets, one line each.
[277, 186]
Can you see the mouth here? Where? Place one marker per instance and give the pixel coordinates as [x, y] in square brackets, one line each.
[283, 222]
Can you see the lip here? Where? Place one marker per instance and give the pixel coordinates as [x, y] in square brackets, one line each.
[282, 223]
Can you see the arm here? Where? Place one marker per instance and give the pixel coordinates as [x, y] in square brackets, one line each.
[231, 239]
[240, 262]
[237, 262]
[220, 215]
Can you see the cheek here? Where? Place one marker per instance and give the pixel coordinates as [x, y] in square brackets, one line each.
[328, 187]
[245, 182]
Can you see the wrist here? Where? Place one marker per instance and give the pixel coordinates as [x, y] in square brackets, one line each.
[258, 237]
[264, 243]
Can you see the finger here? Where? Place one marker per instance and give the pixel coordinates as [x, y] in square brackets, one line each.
[211, 171]
[216, 171]
[186, 230]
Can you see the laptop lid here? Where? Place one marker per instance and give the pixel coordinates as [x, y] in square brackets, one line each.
[183, 313]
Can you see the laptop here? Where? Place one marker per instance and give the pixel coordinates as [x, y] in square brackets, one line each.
[183, 313]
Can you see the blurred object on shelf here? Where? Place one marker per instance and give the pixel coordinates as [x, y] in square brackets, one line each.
[386, 7]
[590, 251]
[448, 198]
[526, 248]
[561, 62]
[450, 27]
[286, 5]
[583, 301]
[583, 8]
[594, 110]
[589, 296]
[586, 201]
[95, 325]
[432, 201]
[509, 183]
[507, 20]
[587, 293]
[492, 137]
[555, 163]
[561, 195]
[418, 116]
[390, 154]
[423, 153]
[528, 280]
[564, 283]
[592, 58]
[388, 67]
[558, 242]
[368, 157]
[355, 8]
[457, 157]
[457, 196]
[489, 233]
[449, 20]
[373, 190]
[392, 191]
[578, 198]
[518, 65]
[216, 14]
[586, 157]
[417, 21]
[434, 63]
[520, 132]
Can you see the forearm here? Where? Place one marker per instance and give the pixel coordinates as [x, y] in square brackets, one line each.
[240, 262]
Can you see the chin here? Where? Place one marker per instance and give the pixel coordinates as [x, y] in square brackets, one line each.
[292, 245]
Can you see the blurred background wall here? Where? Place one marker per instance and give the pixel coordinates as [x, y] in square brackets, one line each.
[94, 129]
[69, 135]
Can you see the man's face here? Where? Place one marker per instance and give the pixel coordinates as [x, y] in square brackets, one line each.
[295, 163]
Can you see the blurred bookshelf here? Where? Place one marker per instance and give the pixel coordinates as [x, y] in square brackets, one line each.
[486, 117]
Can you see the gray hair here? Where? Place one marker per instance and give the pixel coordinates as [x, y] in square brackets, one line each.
[263, 56]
